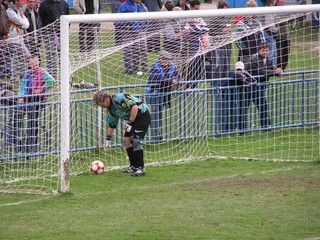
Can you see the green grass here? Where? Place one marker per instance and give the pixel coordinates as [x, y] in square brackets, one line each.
[213, 199]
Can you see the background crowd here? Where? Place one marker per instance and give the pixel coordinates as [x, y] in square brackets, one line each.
[181, 51]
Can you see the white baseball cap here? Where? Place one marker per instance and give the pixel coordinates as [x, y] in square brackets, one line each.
[239, 65]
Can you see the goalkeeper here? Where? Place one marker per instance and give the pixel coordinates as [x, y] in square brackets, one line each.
[132, 109]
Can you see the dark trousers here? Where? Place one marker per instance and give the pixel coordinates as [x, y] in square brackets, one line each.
[259, 99]
[14, 126]
[156, 102]
[228, 111]
[153, 41]
[32, 125]
[15, 131]
[86, 36]
[256, 95]
[131, 52]
[32, 110]
[244, 95]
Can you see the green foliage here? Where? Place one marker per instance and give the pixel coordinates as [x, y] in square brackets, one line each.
[213, 199]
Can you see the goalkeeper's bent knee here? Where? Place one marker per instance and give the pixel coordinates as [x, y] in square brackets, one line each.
[136, 144]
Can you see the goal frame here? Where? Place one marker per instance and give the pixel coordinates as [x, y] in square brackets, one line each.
[65, 20]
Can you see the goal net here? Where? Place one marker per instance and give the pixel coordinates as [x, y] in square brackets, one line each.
[183, 65]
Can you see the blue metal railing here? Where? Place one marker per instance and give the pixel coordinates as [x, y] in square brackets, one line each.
[193, 113]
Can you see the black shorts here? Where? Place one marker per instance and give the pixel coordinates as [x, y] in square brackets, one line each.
[140, 125]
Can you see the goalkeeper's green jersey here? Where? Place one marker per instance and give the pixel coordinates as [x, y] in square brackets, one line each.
[120, 107]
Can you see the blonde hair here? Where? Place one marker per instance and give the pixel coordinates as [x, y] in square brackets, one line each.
[251, 3]
[99, 97]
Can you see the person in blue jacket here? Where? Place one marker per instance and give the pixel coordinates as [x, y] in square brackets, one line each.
[163, 76]
[129, 31]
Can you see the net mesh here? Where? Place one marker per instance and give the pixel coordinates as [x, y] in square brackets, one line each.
[202, 113]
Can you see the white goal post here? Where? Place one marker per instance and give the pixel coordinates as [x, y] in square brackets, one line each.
[65, 61]
[182, 64]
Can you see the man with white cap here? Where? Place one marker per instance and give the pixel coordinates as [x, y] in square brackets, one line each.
[236, 100]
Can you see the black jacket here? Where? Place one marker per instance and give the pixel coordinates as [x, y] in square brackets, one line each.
[51, 10]
[37, 18]
[257, 66]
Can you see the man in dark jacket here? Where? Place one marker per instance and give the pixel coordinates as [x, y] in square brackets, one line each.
[33, 40]
[260, 65]
[49, 12]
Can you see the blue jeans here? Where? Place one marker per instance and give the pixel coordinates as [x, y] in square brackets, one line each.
[156, 102]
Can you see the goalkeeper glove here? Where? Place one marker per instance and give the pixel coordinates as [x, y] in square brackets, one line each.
[107, 144]
[128, 127]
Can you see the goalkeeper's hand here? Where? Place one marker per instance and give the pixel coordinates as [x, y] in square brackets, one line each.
[107, 144]
[128, 127]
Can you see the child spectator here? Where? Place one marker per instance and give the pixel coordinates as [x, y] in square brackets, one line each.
[237, 99]
[34, 85]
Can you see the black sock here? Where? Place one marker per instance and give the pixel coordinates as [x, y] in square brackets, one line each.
[139, 158]
[131, 155]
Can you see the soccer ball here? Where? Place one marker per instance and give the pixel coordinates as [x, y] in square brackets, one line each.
[97, 167]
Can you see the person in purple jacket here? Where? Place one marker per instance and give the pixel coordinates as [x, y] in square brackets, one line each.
[34, 85]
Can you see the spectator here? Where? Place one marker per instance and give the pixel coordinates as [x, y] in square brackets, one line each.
[117, 32]
[155, 26]
[142, 56]
[237, 100]
[35, 84]
[283, 41]
[260, 64]
[248, 45]
[12, 126]
[196, 41]
[37, 5]
[169, 5]
[183, 4]
[5, 3]
[18, 23]
[165, 74]
[132, 109]
[3, 22]
[4, 29]
[271, 32]
[87, 31]
[49, 12]
[127, 32]
[173, 38]
[115, 5]
[33, 39]
[219, 59]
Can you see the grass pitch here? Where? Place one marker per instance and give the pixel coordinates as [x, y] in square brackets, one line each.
[212, 199]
